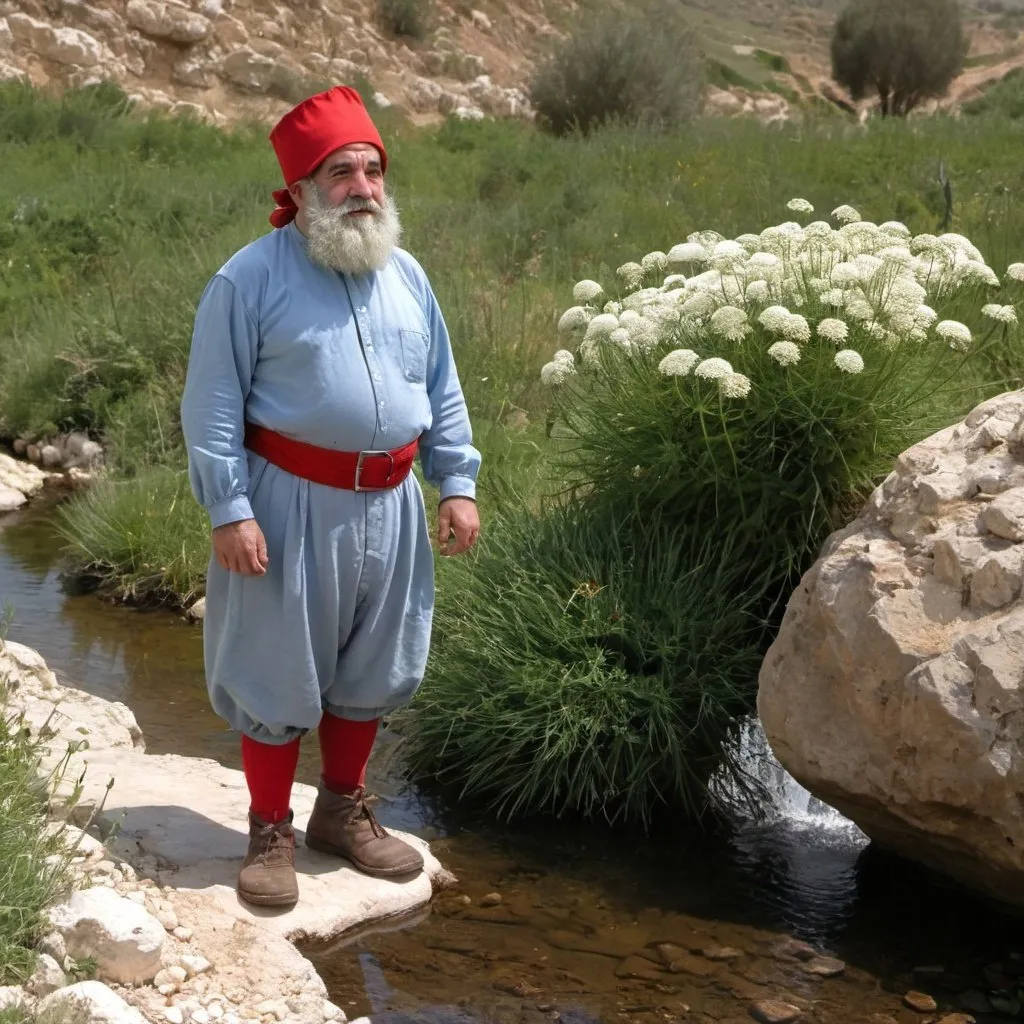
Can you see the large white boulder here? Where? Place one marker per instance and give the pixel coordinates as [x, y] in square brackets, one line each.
[165, 19]
[20, 476]
[895, 688]
[89, 1002]
[123, 937]
[62, 45]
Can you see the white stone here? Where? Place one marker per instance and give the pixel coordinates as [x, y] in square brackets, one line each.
[10, 499]
[174, 1015]
[332, 1012]
[50, 456]
[12, 997]
[46, 978]
[163, 19]
[21, 476]
[172, 976]
[125, 939]
[53, 946]
[194, 71]
[182, 933]
[481, 21]
[248, 69]
[893, 692]
[168, 919]
[197, 611]
[199, 1017]
[61, 45]
[6, 37]
[194, 964]
[90, 1002]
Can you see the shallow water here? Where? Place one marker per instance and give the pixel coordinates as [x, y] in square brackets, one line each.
[581, 926]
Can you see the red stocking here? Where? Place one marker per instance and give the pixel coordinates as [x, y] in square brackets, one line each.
[345, 748]
[269, 772]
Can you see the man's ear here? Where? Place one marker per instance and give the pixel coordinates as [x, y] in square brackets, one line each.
[296, 192]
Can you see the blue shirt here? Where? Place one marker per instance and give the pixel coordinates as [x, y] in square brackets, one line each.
[350, 362]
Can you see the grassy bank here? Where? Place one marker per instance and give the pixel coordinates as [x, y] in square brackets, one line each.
[620, 653]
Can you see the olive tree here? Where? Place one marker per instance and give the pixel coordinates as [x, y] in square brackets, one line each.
[905, 50]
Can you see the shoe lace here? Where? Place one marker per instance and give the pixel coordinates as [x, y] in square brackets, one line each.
[275, 841]
[362, 810]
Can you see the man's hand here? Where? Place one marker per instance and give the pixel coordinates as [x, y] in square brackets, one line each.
[241, 547]
[458, 525]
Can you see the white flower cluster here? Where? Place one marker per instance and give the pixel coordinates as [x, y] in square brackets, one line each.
[834, 281]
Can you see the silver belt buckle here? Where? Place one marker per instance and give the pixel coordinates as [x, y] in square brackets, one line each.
[359, 468]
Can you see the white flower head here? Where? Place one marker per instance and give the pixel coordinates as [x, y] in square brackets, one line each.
[585, 292]
[730, 323]
[726, 253]
[687, 252]
[563, 355]
[758, 292]
[977, 270]
[957, 334]
[800, 206]
[713, 369]
[818, 229]
[895, 227]
[834, 297]
[574, 320]
[654, 263]
[844, 274]
[749, 241]
[858, 308]
[785, 353]
[601, 326]
[849, 361]
[698, 305]
[558, 371]
[797, 328]
[613, 307]
[833, 330]
[679, 362]
[1015, 271]
[1001, 314]
[631, 275]
[763, 261]
[775, 318]
[644, 334]
[734, 385]
[674, 281]
[845, 214]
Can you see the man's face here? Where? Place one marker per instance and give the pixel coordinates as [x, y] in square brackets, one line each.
[353, 170]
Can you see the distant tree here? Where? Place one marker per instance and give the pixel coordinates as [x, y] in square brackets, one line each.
[632, 62]
[905, 50]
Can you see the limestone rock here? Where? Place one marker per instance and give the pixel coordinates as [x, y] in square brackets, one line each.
[46, 978]
[21, 476]
[894, 690]
[197, 611]
[10, 499]
[6, 36]
[90, 1002]
[194, 71]
[125, 939]
[12, 997]
[772, 1011]
[61, 45]
[165, 19]
[920, 1001]
[248, 69]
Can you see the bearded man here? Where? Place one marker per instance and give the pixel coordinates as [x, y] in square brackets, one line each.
[320, 366]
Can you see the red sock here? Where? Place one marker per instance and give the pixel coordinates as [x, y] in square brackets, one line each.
[345, 748]
[269, 772]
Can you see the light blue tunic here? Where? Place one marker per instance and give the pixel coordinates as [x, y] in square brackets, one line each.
[341, 620]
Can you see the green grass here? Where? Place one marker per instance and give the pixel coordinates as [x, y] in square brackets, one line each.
[111, 222]
[28, 884]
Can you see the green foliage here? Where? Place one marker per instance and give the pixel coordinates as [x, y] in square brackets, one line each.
[724, 75]
[636, 65]
[1005, 98]
[412, 18]
[29, 880]
[905, 50]
[578, 670]
[774, 61]
[147, 537]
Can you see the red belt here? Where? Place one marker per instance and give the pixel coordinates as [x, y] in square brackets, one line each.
[351, 471]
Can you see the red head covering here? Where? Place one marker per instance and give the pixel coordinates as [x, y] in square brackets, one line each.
[310, 132]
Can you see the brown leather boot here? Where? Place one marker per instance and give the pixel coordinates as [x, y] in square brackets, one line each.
[342, 824]
[268, 877]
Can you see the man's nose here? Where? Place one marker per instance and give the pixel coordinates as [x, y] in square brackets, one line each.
[361, 188]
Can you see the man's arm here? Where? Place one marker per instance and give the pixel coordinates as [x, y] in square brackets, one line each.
[225, 344]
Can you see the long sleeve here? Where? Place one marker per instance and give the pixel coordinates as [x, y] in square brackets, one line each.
[225, 345]
[449, 460]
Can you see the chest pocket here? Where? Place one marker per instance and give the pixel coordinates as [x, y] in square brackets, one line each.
[414, 355]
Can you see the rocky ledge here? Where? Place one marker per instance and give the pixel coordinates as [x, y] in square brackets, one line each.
[157, 909]
[895, 689]
[66, 461]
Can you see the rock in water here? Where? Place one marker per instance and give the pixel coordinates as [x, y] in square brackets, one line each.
[893, 689]
[920, 1001]
[771, 1011]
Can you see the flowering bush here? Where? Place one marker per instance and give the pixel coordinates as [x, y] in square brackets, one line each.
[757, 387]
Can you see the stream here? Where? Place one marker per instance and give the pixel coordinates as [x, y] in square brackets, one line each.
[566, 923]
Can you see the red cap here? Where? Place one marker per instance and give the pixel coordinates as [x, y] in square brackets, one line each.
[310, 132]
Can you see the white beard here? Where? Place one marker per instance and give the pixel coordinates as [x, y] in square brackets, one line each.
[351, 245]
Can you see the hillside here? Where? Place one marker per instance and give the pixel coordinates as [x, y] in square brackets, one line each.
[224, 59]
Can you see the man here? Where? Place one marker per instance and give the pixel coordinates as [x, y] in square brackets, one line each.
[320, 366]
